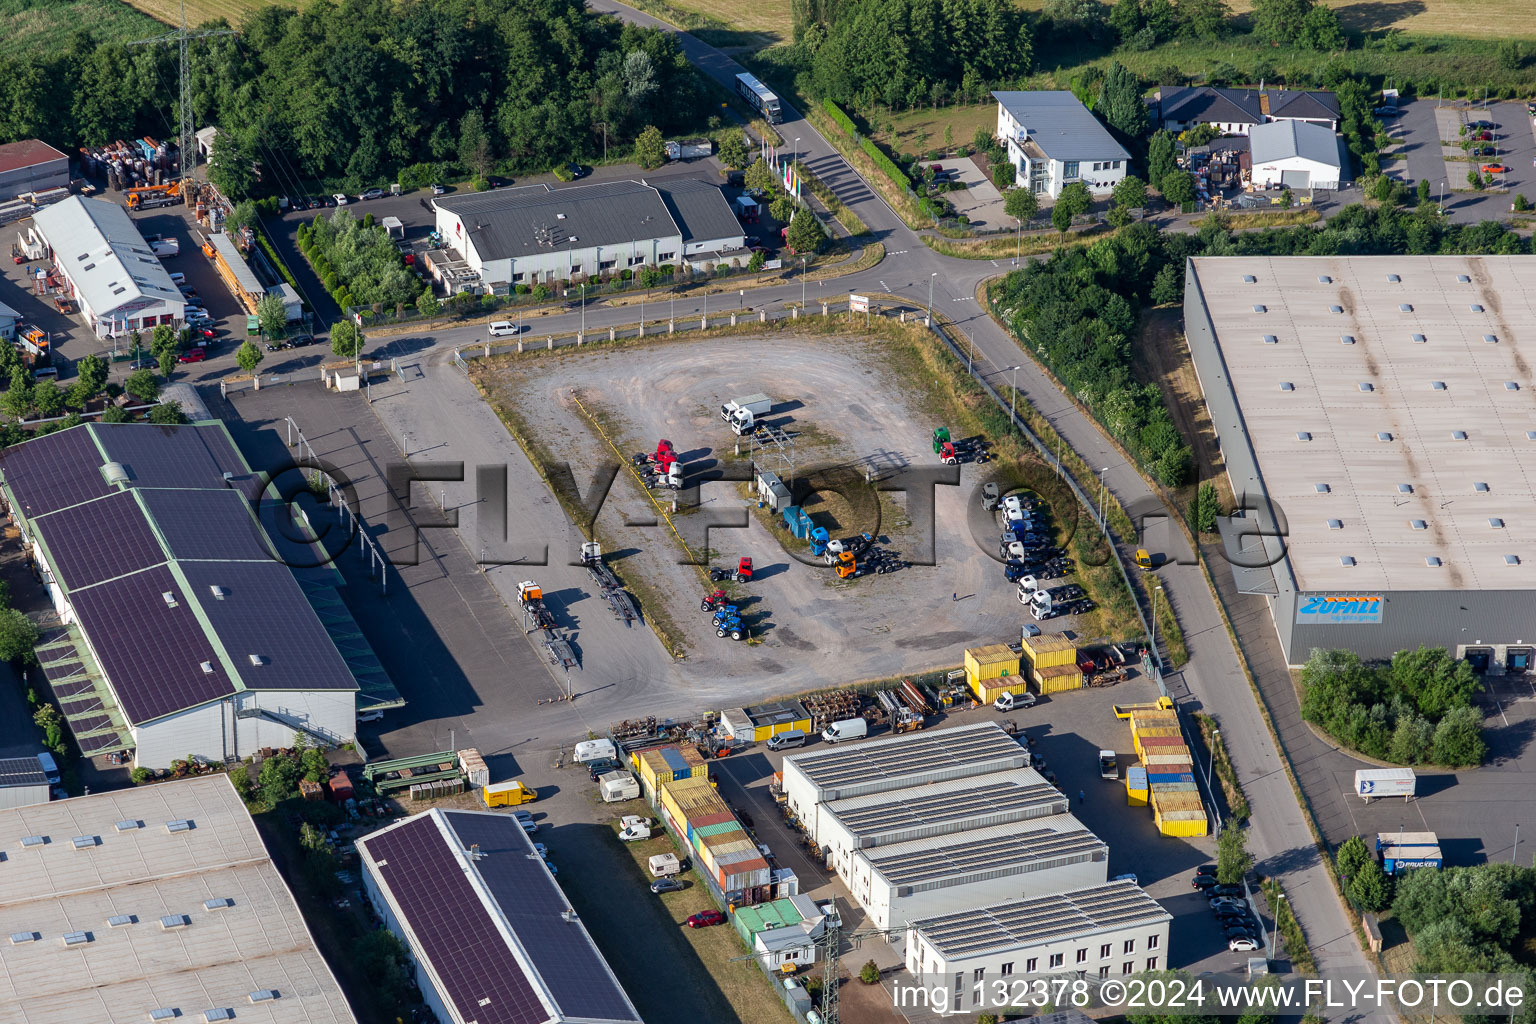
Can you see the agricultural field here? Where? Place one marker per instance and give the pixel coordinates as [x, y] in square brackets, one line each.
[726, 24]
[922, 129]
[38, 26]
[202, 11]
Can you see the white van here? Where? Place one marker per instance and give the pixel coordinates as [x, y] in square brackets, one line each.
[848, 729]
[503, 329]
[789, 738]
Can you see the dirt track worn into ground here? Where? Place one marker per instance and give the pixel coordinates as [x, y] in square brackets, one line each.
[849, 413]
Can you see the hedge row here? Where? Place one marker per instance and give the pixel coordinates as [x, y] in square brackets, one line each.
[843, 120]
[886, 164]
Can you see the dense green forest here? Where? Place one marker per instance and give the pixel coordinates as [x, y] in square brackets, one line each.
[354, 91]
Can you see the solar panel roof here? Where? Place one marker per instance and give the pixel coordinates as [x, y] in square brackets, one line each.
[99, 540]
[437, 891]
[21, 771]
[157, 456]
[1034, 921]
[54, 471]
[207, 524]
[152, 652]
[561, 950]
[263, 612]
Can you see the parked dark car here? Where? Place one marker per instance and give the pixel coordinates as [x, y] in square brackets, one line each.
[300, 340]
[667, 885]
[1203, 882]
[602, 766]
[1206, 869]
[1233, 891]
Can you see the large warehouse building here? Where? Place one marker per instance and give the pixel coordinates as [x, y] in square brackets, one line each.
[934, 822]
[536, 234]
[1376, 418]
[149, 904]
[120, 283]
[492, 938]
[181, 631]
[1107, 930]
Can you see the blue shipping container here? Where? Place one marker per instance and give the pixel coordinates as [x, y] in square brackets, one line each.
[1175, 777]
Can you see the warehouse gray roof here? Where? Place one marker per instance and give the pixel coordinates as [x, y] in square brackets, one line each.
[112, 913]
[1003, 796]
[537, 219]
[101, 250]
[700, 210]
[1282, 140]
[1450, 388]
[894, 758]
[1061, 126]
[1019, 924]
[1021, 845]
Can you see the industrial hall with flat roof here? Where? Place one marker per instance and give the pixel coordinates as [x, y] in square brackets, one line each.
[1376, 418]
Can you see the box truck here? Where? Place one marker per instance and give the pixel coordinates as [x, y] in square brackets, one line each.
[508, 794]
[743, 413]
[1374, 782]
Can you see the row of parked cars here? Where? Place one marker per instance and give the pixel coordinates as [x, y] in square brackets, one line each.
[1230, 905]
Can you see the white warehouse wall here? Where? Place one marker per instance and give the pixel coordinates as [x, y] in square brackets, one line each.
[212, 731]
[887, 909]
[969, 990]
[429, 992]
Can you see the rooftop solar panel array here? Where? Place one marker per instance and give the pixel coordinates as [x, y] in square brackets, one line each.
[158, 456]
[264, 613]
[54, 471]
[973, 854]
[118, 547]
[562, 952]
[99, 540]
[21, 771]
[908, 811]
[910, 755]
[1037, 920]
[437, 903]
[152, 652]
[207, 524]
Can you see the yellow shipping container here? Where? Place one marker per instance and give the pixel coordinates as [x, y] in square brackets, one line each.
[1049, 650]
[661, 765]
[1058, 678]
[689, 798]
[1136, 797]
[1154, 719]
[1181, 823]
[1178, 802]
[991, 662]
[988, 690]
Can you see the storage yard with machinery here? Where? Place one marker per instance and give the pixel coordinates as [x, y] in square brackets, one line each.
[670, 412]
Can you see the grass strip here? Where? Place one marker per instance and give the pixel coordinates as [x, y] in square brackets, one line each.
[1287, 925]
[1237, 802]
[1008, 246]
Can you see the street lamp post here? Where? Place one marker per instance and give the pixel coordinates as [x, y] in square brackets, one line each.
[797, 150]
[1013, 397]
[1152, 646]
[1102, 524]
[930, 296]
[1018, 247]
[802, 284]
[583, 311]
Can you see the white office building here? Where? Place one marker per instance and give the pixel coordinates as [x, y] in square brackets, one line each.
[1053, 140]
[1105, 931]
[107, 267]
[537, 234]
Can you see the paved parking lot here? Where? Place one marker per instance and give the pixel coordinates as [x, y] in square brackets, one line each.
[980, 200]
[1423, 125]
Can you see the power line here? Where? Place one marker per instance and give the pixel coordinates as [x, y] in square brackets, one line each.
[187, 141]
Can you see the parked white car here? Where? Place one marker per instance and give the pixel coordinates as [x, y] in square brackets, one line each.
[341, 199]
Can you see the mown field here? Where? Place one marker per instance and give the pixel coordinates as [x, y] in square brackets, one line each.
[32, 26]
[202, 11]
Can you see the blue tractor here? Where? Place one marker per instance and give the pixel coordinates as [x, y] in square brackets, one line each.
[727, 622]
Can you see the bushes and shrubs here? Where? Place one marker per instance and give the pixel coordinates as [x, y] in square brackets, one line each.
[1415, 709]
[359, 264]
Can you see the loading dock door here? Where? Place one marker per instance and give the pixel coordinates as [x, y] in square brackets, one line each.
[1478, 658]
[1296, 179]
[1517, 659]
